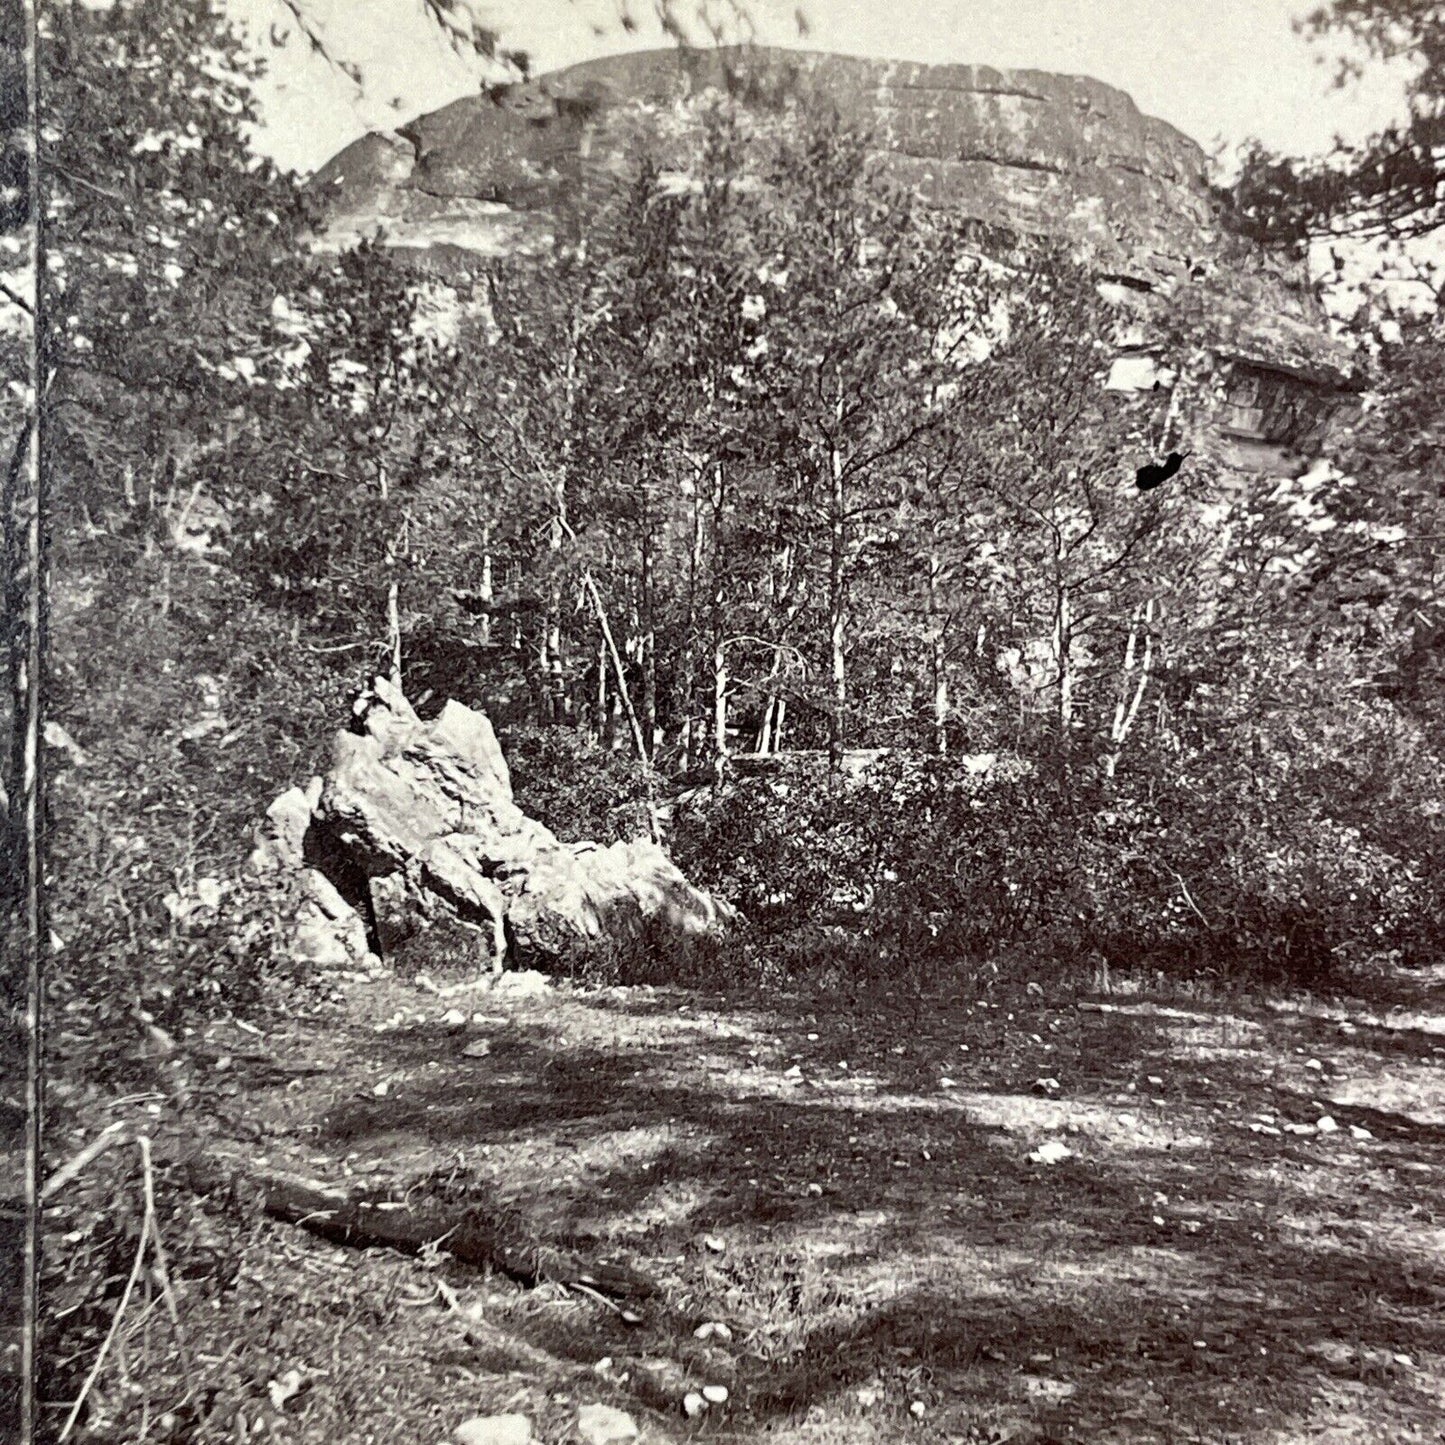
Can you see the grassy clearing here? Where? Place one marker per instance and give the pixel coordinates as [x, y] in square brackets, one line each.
[848, 1187]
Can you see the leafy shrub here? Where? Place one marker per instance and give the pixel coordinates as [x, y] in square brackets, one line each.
[155, 808]
[574, 785]
[651, 953]
[916, 858]
[922, 863]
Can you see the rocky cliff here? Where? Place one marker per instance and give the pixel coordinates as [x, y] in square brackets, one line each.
[1022, 149]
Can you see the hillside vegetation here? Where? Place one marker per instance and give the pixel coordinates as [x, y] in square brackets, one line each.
[765, 464]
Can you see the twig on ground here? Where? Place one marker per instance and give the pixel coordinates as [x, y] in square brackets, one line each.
[339, 647]
[160, 1265]
[627, 1316]
[111, 1134]
[595, 1295]
[149, 1238]
[110, 1338]
[1188, 897]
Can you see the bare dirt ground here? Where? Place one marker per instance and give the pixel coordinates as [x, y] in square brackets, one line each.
[855, 1190]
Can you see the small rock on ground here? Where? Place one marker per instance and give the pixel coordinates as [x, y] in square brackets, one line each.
[1040, 1387]
[604, 1425]
[494, 1430]
[1051, 1153]
[525, 983]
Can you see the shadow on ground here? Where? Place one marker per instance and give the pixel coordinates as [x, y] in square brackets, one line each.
[855, 1197]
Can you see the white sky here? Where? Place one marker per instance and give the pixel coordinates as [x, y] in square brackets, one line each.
[1220, 70]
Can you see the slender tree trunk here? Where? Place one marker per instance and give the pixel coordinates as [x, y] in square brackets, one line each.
[624, 693]
[1126, 710]
[783, 609]
[604, 723]
[940, 696]
[519, 637]
[937, 657]
[484, 631]
[20, 558]
[837, 606]
[719, 709]
[688, 681]
[535, 668]
[552, 669]
[393, 590]
[770, 730]
[647, 625]
[619, 667]
[1063, 646]
[763, 741]
[719, 621]
[27, 563]
[393, 631]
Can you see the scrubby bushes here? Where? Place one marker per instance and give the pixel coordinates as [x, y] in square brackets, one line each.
[152, 811]
[926, 861]
[578, 788]
[915, 861]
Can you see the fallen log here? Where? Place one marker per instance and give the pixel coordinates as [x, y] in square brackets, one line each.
[414, 1225]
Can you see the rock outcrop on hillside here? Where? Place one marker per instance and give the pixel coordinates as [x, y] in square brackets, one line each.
[1024, 150]
[414, 824]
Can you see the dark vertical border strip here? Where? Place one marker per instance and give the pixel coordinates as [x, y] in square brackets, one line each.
[33, 802]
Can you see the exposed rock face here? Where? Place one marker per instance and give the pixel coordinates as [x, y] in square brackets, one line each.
[415, 824]
[1026, 150]
[325, 929]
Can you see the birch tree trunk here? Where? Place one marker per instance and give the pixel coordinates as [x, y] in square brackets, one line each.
[553, 674]
[719, 623]
[1126, 710]
[784, 610]
[604, 720]
[484, 631]
[647, 647]
[837, 605]
[690, 658]
[624, 694]
[937, 658]
[554, 669]
[1063, 647]
[393, 590]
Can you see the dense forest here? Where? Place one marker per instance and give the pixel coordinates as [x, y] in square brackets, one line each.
[771, 463]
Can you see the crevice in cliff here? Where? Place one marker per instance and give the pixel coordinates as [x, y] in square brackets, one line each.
[1013, 163]
[951, 90]
[1134, 283]
[494, 197]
